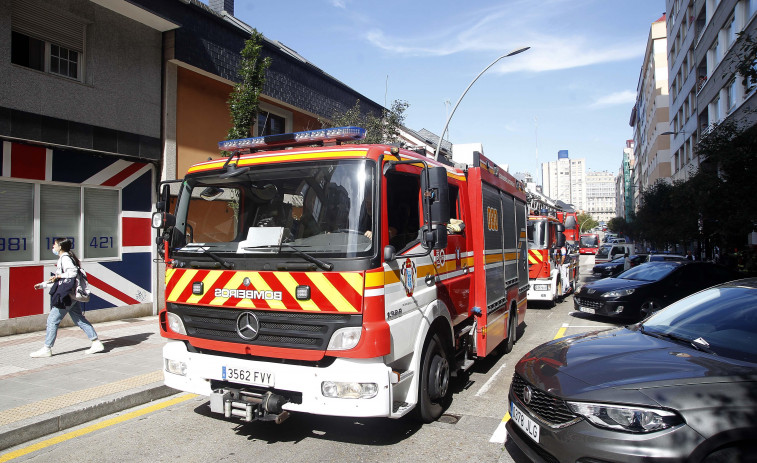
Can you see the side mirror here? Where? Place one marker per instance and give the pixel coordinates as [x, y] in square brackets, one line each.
[560, 227]
[435, 195]
[165, 194]
[389, 253]
[435, 237]
[560, 240]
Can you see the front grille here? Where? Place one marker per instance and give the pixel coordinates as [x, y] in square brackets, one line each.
[590, 303]
[549, 409]
[299, 330]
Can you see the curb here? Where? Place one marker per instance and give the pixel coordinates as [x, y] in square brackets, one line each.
[49, 423]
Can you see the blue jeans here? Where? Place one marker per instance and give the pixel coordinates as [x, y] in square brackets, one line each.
[56, 316]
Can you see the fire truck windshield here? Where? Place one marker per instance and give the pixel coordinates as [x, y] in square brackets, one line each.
[537, 236]
[324, 208]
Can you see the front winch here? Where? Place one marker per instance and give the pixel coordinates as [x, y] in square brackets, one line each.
[249, 406]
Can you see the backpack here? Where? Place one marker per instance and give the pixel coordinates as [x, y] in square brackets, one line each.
[81, 290]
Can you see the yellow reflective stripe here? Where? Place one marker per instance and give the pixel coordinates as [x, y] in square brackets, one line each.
[355, 280]
[235, 281]
[330, 292]
[207, 283]
[374, 279]
[260, 285]
[290, 284]
[182, 284]
[264, 158]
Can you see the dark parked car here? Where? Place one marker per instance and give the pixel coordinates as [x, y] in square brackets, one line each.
[665, 257]
[615, 266]
[678, 387]
[646, 288]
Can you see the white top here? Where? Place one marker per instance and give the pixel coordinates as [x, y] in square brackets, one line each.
[65, 268]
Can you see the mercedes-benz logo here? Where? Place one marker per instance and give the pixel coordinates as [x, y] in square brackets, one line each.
[248, 326]
[527, 394]
[246, 281]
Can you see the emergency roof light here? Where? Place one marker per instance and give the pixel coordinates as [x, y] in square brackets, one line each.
[309, 137]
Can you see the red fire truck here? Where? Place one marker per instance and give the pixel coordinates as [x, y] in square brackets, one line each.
[553, 270]
[342, 279]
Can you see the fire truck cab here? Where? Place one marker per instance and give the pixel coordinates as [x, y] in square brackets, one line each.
[341, 279]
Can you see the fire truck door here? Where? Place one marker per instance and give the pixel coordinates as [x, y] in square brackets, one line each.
[491, 329]
[453, 263]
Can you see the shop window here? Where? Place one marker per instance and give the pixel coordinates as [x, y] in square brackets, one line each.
[89, 217]
[17, 219]
[270, 124]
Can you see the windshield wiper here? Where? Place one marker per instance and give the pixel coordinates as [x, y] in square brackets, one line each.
[699, 343]
[214, 256]
[313, 260]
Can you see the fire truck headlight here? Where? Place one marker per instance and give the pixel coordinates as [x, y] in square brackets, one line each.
[176, 367]
[175, 323]
[340, 390]
[345, 338]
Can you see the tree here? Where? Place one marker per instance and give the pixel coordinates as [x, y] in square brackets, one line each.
[244, 102]
[384, 129]
[586, 222]
[745, 57]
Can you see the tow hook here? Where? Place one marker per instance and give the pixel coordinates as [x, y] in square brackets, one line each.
[249, 406]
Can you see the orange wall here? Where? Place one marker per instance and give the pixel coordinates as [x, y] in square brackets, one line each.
[202, 118]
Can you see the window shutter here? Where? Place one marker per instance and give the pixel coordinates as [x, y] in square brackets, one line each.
[56, 27]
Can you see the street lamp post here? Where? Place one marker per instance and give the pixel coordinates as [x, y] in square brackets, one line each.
[581, 228]
[446, 124]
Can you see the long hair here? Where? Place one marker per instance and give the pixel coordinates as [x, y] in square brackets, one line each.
[65, 246]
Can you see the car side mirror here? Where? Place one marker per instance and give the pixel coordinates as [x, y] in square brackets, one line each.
[389, 253]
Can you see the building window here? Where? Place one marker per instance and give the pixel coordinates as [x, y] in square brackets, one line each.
[89, 217]
[729, 33]
[731, 95]
[751, 8]
[270, 124]
[47, 40]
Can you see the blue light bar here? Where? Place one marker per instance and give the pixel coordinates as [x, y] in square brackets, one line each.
[293, 139]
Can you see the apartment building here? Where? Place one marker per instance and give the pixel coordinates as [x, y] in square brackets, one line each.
[565, 179]
[650, 117]
[600, 195]
[704, 89]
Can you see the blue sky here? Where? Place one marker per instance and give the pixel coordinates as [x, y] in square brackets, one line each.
[574, 89]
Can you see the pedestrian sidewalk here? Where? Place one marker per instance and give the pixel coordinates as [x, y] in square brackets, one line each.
[41, 396]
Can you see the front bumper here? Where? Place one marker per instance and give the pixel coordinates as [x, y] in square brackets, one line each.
[584, 442]
[607, 308]
[201, 369]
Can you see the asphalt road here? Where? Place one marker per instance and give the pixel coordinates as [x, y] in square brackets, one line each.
[472, 429]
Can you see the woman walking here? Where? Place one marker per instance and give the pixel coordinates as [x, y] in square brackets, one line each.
[61, 302]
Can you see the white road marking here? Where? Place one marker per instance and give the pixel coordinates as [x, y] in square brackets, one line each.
[487, 385]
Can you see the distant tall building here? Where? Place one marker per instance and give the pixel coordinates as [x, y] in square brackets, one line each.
[600, 195]
[565, 179]
[624, 187]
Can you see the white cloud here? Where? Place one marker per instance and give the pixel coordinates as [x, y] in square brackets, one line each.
[339, 3]
[510, 26]
[625, 97]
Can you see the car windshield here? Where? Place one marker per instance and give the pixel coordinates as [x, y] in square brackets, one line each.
[604, 251]
[322, 208]
[590, 241]
[649, 272]
[619, 260]
[722, 320]
[536, 234]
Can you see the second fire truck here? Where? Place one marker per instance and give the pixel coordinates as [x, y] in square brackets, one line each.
[346, 280]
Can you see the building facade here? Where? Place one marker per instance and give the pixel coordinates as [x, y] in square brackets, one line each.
[600, 196]
[649, 117]
[565, 179]
[704, 88]
[81, 145]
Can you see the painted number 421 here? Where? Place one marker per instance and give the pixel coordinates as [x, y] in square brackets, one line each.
[101, 242]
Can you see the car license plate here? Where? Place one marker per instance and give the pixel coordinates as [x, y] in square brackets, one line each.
[524, 422]
[586, 309]
[247, 376]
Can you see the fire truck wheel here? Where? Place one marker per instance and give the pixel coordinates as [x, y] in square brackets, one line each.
[512, 331]
[433, 388]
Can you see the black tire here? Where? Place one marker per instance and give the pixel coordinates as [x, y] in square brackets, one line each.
[738, 453]
[649, 307]
[512, 331]
[434, 386]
